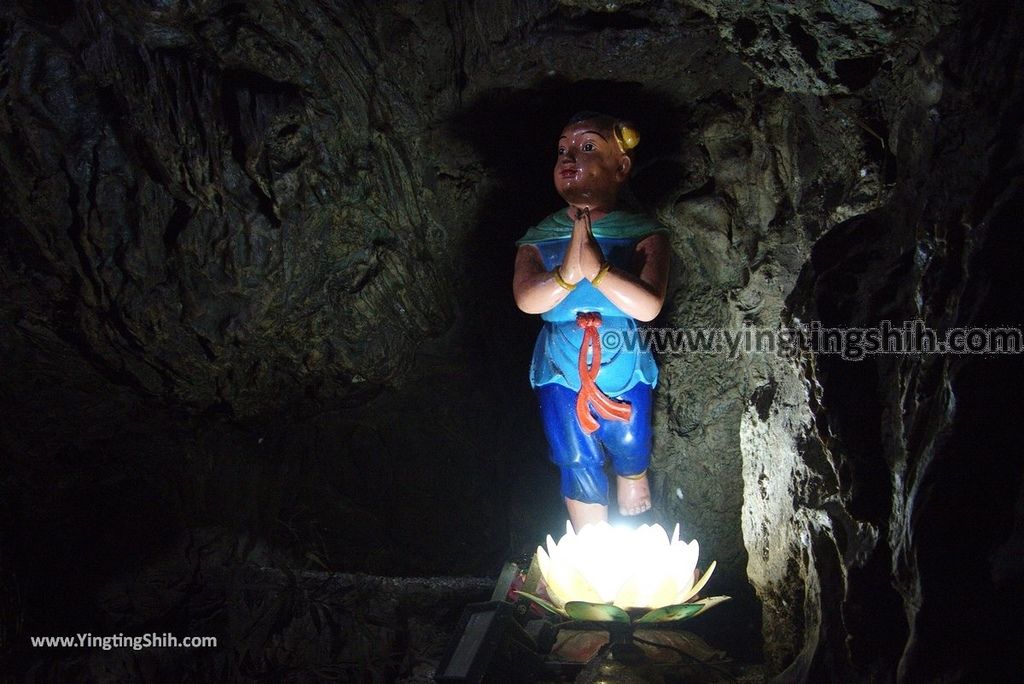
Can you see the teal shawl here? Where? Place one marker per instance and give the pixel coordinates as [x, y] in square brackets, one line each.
[618, 224]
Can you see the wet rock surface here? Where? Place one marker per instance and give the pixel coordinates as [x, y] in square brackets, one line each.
[255, 304]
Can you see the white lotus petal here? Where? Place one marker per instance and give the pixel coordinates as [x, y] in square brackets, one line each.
[547, 571]
[631, 594]
[695, 589]
[663, 595]
[657, 535]
[552, 546]
[543, 560]
[573, 586]
[682, 560]
[630, 567]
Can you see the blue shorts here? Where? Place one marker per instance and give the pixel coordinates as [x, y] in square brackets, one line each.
[580, 456]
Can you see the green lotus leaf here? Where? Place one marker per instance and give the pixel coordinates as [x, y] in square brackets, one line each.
[546, 605]
[709, 603]
[679, 611]
[597, 612]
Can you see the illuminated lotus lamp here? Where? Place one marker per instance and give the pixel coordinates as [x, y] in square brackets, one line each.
[622, 581]
[605, 571]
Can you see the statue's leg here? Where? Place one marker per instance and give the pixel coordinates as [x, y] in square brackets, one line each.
[629, 444]
[578, 455]
[581, 513]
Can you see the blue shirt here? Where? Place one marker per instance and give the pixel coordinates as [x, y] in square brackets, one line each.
[556, 354]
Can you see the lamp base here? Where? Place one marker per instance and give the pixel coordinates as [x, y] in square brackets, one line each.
[623, 663]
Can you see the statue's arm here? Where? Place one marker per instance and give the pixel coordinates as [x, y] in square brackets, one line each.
[641, 295]
[535, 288]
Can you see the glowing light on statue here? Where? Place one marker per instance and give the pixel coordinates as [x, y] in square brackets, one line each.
[604, 571]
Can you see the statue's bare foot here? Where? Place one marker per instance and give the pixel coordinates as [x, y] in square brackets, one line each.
[634, 494]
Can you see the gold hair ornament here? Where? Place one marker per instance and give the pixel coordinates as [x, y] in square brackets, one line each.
[626, 136]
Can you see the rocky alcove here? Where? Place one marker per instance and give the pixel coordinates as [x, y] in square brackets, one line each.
[263, 377]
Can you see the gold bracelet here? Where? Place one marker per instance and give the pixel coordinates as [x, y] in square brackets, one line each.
[639, 476]
[561, 281]
[600, 274]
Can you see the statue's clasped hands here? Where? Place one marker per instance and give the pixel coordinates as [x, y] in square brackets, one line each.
[583, 257]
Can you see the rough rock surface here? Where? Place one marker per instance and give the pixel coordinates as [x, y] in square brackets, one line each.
[254, 277]
[278, 625]
[826, 48]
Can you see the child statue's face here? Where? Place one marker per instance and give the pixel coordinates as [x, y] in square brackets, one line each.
[590, 168]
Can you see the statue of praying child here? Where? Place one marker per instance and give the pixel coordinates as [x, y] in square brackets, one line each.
[592, 271]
